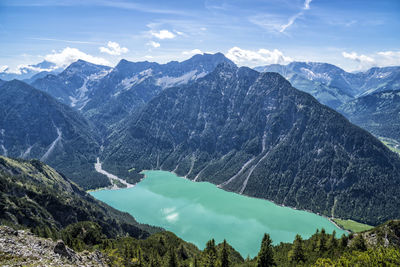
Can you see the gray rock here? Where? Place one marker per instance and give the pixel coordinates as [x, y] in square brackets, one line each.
[64, 251]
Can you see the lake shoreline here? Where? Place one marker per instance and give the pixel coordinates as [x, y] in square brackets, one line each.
[278, 204]
[197, 212]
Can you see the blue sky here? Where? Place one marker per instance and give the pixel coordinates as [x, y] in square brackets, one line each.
[353, 34]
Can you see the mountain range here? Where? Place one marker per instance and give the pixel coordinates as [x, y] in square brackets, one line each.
[332, 85]
[379, 113]
[208, 120]
[255, 134]
[106, 96]
[73, 85]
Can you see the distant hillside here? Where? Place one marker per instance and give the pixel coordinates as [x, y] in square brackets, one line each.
[73, 85]
[255, 134]
[378, 113]
[34, 195]
[35, 125]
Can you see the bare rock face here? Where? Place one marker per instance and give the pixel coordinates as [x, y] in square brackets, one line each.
[64, 251]
[22, 248]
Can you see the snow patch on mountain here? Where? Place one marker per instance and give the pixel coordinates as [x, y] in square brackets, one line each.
[167, 81]
[52, 146]
[310, 75]
[26, 152]
[5, 152]
[128, 83]
[80, 97]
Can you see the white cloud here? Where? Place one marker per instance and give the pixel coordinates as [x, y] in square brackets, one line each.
[69, 55]
[364, 62]
[379, 59]
[358, 58]
[389, 58]
[307, 4]
[290, 22]
[163, 34]
[3, 68]
[192, 52]
[23, 68]
[276, 23]
[256, 58]
[154, 44]
[114, 49]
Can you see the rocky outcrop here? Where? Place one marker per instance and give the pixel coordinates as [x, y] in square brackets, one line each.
[22, 248]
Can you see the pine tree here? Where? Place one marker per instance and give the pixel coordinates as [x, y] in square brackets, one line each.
[195, 262]
[154, 261]
[332, 242]
[210, 254]
[139, 256]
[296, 255]
[314, 241]
[344, 240]
[321, 243]
[265, 257]
[182, 254]
[172, 261]
[224, 258]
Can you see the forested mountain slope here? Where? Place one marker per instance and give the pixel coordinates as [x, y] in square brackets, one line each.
[35, 125]
[255, 134]
[34, 195]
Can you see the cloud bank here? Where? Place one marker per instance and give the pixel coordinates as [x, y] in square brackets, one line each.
[253, 58]
[154, 44]
[379, 59]
[192, 52]
[114, 49]
[69, 55]
[163, 34]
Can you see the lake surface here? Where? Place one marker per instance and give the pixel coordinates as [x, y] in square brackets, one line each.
[197, 212]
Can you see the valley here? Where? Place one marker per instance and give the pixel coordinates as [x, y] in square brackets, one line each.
[215, 133]
[204, 149]
[114, 180]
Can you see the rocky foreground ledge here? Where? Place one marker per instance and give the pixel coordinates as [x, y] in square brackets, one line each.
[22, 248]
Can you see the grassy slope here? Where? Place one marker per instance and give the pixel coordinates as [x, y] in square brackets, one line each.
[352, 226]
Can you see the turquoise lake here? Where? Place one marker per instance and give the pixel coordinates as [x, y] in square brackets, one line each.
[197, 212]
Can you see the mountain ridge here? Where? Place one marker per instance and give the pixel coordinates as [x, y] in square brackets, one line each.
[35, 125]
[334, 86]
[191, 130]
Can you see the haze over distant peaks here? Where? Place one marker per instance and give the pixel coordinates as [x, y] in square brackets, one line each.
[26, 72]
[332, 85]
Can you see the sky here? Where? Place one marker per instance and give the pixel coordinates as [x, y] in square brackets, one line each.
[352, 34]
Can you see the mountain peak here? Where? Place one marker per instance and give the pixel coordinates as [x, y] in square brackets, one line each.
[200, 58]
[82, 66]
[226, 67]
